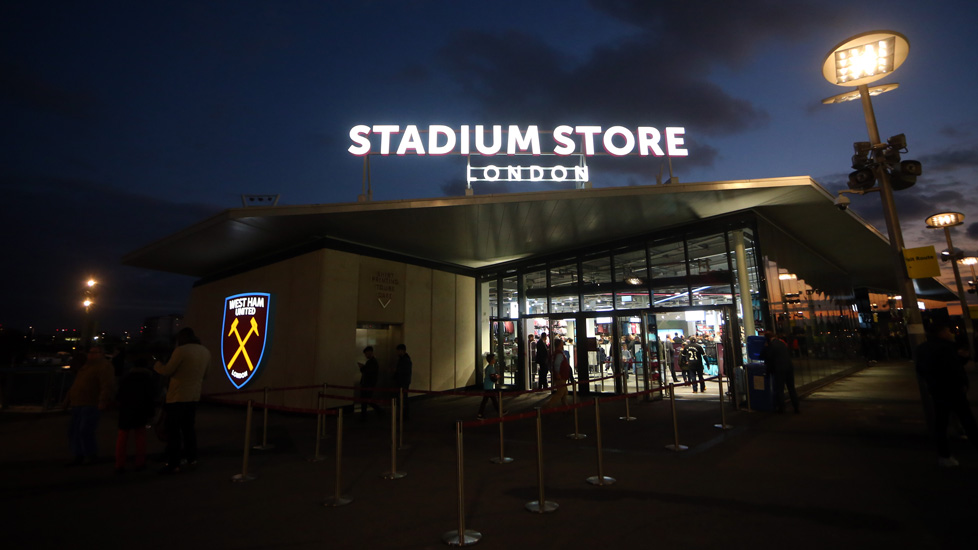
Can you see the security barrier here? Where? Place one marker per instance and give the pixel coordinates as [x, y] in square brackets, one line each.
[541, 505]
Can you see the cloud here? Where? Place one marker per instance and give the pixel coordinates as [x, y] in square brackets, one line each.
[659, 75]
[951, 159]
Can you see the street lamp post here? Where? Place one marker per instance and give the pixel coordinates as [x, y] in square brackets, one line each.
[859, 61]
[91, 291]
[945, 221]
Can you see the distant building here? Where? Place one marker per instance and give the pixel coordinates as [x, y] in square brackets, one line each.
[161, 329]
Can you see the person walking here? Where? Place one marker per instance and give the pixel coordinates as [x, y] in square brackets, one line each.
[90, 394]
[402, 378]
[490, 377]
[186, 369]
[940, 361]
[369, 374]
[562, 373]
[777, 358]
[694, 362]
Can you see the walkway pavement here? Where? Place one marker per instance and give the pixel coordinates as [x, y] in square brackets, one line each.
[854, 470]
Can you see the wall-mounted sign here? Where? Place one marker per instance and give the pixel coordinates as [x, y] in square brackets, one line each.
[244, 335]
[381, 292]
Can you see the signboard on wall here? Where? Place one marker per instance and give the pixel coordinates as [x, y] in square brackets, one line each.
[243, 337]
[381, 292]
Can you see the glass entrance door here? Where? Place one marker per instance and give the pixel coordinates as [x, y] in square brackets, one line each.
[632, 358]
[599, 334]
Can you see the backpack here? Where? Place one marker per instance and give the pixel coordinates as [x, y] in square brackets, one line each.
[565, 370]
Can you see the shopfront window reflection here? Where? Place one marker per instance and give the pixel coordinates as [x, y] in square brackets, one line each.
[631, 280]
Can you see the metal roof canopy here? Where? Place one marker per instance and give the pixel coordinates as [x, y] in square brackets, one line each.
[477, 231]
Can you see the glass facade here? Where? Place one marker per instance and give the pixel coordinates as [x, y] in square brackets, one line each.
[620, 308]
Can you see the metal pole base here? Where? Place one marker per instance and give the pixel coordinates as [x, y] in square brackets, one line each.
[676, 448]
[393, 475]
[501, 460]
[263, 447]
[723, 426]
[600, 480]
[577, 436]
[333, 502]
[548, 506]
[627, 418]
[241, 478]
[451, 538]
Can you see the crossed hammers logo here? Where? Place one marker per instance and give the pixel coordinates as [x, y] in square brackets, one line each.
[242, 343]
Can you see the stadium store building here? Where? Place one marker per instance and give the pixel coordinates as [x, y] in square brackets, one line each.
[291, 294]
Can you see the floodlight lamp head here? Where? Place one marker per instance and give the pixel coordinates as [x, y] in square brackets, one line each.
[865, 58]
[862, 148]
[898, 142]
[862, 179]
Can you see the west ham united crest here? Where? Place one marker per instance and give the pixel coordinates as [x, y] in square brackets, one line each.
[243, 341]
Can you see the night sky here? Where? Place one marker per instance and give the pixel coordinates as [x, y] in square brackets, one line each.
[124, 122]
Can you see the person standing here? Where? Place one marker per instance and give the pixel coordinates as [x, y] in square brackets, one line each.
[402, 377]
[940, 361]
[777, 358]
[186, 370]
[490, 377]
[89, 395]
[543, 360]
[137, 395]
[369, 374]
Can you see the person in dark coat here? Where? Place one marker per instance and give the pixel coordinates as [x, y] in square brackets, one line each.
[940, 361]
[777, 359]
[369, 375]
[542, 360]
[137, 395]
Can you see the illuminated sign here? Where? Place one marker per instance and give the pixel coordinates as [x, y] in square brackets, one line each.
[244, 334]
[444, 140]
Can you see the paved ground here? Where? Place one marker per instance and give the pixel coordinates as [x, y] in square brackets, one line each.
[854, 470]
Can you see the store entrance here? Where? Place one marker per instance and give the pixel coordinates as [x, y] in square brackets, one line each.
[563, 328]
[711, 329]
[621, 356]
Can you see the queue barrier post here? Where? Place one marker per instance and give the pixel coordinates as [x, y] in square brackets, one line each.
[264, 430]
[322, 432]
[723, 414]
[577, 431]
[320, 420]
[462, 536]
[244, 475]
[542, 505]
[502, 458]
[675, 446]
[400, 426]
[393, 474]
[337, 499]
[599, 479]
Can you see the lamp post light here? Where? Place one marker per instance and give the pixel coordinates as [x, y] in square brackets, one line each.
[945, 221]
[859, 61]
[91, 292]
